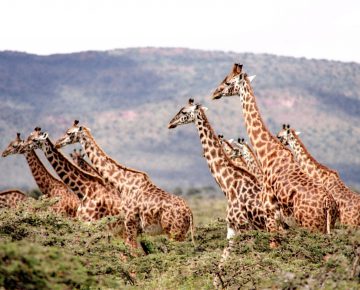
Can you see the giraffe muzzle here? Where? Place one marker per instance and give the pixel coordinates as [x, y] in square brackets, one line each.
[172, 126]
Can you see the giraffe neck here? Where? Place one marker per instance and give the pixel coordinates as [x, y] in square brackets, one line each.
[265, 145]
[76, 179]
[43, 178]
[307, 162]
[121, 177]
[252, 163]
[219, 164]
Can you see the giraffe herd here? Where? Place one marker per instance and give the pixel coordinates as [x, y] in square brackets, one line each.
[262, 183]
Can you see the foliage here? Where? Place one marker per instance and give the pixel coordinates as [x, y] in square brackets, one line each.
[39, 250]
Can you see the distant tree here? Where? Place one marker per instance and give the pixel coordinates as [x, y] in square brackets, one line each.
[35, 193]
[178, 190]
[193, 191]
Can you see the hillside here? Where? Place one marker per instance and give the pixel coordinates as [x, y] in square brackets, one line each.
[128, 96]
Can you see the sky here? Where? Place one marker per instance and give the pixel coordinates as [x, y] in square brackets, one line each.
[312, 29]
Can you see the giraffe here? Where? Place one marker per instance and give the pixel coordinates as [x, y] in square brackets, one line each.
[148, 208]
[347, 200]
[96, 200]
[232, 153]
[245, 204]
[49, 185]
[244, 150]
[310, 204]
[11, 198]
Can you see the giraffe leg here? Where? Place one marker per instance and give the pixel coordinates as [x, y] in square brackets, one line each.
[131, 226]
[218, 282]
[274, 221]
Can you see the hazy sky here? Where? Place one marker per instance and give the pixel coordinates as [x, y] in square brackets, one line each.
[314, 29]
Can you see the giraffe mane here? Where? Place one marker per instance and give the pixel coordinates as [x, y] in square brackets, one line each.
[310, 156]
[276, 140]
[87, 130]
[40, 163]
[231, 163]
[92, 176]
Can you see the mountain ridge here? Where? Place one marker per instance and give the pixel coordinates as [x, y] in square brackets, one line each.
[127, 97]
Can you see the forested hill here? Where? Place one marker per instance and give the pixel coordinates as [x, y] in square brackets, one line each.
[128, 96]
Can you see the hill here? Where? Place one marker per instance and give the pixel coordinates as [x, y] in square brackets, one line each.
[128, 96]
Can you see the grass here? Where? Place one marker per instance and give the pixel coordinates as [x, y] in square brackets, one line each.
[39, 250]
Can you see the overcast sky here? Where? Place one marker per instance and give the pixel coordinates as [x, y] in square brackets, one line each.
[313, 29]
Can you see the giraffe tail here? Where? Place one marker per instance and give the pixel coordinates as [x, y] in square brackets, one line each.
[192, 229]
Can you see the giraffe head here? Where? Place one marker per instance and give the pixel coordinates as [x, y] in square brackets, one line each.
[286, 135]
[77, 156]
[36, 140]
[228, 147]
[240, 145]
[236, 83]
[186, 115]
[72, 135]
[14, 147]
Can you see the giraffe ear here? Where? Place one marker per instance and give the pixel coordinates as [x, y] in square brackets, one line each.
[297, 133]
[251, 78]
[44, 135]
[231, 141]
[204, 108]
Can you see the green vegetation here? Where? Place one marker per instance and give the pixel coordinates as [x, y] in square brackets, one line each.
[39, 250]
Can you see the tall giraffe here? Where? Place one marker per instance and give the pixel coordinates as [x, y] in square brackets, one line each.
[96, 200]
[311, 205]
[148, 208]
[248, 155]
[347, 200]
[246, 205]
[49, 185]
[11, 198]
[242, 190]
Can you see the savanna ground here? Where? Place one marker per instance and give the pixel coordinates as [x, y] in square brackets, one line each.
[39, 250]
